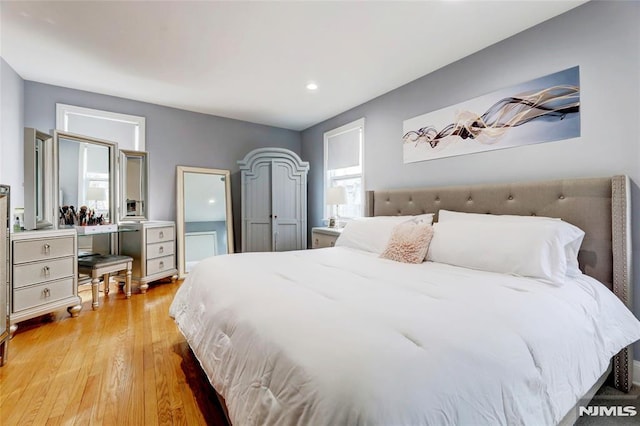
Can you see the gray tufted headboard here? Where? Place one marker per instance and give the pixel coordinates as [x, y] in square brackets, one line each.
[599, 206]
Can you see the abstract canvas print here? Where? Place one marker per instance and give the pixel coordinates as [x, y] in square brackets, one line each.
[542, 110]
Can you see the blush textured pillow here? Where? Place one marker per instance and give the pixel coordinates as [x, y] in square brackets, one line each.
[409, 242]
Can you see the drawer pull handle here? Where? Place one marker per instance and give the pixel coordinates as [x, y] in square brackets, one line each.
[46, 292]
[161, 265]
[161, 234]
[46, 271]
[316, 241]
[161, 249]
[47, 248]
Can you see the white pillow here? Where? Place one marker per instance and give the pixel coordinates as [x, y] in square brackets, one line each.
[529, 249]
[572, 235]
[372, 233]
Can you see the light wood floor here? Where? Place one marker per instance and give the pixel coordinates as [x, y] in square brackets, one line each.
[124, 364]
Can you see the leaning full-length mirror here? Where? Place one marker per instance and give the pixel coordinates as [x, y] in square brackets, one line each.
[134, 172]
[204, 222]
[86, 176]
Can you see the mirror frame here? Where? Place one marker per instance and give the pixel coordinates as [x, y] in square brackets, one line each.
[180, 171]
[46, 170]
[113, 169]
[124, 156]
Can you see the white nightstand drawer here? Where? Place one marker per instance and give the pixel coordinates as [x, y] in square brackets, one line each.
[158, 235]
[39, 249]
[35, 295]
[323, 240]
[160, 264]
[160, 249]
[322, 237]
[37, 272]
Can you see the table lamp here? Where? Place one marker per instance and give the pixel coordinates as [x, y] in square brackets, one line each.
[336, 195]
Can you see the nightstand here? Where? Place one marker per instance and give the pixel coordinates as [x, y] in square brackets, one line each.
[322, 237]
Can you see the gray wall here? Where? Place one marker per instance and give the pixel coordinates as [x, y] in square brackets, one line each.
[602, 38]
[11, 132]
[173, 137]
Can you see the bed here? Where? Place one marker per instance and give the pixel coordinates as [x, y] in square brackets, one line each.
[340, 336]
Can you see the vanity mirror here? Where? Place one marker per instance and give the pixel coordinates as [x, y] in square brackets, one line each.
[38, 182]
[86, 174]
[134, 177]
[205, 224]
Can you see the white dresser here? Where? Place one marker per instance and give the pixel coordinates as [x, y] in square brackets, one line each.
[152, 246]
[5, 296]
[45, 273]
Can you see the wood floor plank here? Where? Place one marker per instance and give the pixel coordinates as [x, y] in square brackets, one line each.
[125, 363]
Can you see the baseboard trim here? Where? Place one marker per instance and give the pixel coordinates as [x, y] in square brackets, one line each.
[636, 373]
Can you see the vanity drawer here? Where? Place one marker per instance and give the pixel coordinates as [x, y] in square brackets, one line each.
[40, 249]
[35, 295]
[155, 266]
[158, 235]
[160, 249]
[37, 272]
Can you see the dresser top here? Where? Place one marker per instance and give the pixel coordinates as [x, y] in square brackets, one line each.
[147, 224]
[42, 233]
[327, 230]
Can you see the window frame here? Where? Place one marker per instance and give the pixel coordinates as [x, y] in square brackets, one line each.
[356, 124]
[63, 111]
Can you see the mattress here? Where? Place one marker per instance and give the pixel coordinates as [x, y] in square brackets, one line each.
[340, 336]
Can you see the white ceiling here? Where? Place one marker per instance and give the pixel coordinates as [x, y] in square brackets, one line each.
[252, 60]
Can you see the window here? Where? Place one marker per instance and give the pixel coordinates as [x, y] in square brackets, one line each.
[344, 166]
[128, 131]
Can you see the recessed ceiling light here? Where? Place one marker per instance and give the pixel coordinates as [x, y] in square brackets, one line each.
[211, 201]
[312, 86]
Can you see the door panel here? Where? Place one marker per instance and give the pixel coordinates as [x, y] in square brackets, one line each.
[286, 206]
[258, 209]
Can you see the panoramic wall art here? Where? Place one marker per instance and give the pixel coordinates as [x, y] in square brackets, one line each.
[542, 110]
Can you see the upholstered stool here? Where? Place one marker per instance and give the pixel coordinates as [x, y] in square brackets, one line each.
[101, 266]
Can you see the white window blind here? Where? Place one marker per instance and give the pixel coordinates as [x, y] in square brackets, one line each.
[343, 166]
[343, 150]
[128, 131]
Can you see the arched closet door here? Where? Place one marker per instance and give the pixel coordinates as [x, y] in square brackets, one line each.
[274, 200]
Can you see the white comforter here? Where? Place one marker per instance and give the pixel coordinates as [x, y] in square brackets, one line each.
[340, 337]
